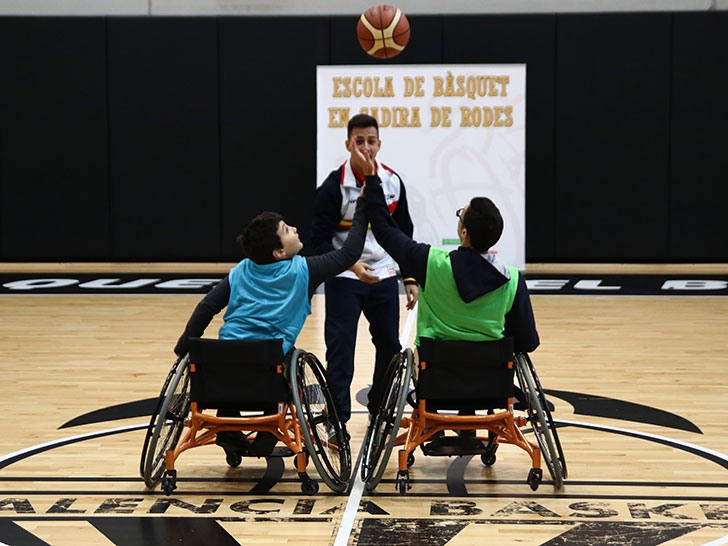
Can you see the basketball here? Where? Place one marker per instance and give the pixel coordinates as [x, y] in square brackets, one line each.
[383, 31]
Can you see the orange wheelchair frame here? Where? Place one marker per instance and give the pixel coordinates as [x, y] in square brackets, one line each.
[247, 376]
[485, 371]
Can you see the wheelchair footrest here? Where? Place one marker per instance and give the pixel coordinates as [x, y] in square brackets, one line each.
[454, 445]
[281, 451]
[234, 442]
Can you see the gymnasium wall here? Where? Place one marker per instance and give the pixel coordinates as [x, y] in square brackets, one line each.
[339, 7]
[158, 138]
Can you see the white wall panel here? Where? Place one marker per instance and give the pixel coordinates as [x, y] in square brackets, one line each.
[74, 7]
[339, 7]
[354, 7]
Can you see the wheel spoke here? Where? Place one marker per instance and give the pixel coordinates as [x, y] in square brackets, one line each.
[322, 429]
[381, 433]
[164, 433]
[536, 417]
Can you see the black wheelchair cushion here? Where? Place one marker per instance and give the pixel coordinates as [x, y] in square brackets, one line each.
[465, 374]
[240, 374]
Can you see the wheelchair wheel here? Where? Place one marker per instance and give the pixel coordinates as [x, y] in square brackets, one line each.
[167, 422]
[547, 412]
[539, 417]
[323, 431]
[382, 431]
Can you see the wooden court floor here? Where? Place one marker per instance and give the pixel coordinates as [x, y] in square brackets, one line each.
[638, 384]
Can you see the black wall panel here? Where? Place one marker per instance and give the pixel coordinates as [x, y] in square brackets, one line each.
[164, 137]
[699, 151]
[530, 40]
[268, 119]
[159, 138]
[54, 200]
[423, 47]
[612, 139]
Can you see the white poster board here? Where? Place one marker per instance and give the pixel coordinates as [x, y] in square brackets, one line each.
[452, 132]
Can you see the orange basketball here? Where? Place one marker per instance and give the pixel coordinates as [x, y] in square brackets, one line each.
[383, 31]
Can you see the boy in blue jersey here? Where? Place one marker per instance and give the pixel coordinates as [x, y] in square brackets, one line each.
[268, 296]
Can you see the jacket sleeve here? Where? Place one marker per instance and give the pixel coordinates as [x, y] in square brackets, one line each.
[401, 214]
[326, 215]
[214, 302]
[402, 218]
[327, 266]
[410, 255]
[520, 322]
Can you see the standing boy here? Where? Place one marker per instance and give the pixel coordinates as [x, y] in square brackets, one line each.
[370, 285]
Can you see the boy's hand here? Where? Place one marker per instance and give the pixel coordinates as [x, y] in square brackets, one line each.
[361, 163]
[412, 291]
[360, 270]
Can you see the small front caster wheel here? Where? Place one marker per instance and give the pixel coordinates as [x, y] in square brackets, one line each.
[233, 459]
[488, 459]
[309, 487]
[403, 484]
[534, 478]
[169, 482]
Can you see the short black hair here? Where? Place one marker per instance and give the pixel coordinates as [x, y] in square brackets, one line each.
[260, 237]
[484, 223]
[363, 121]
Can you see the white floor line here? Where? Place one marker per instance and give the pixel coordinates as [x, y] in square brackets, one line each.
[68, 439]
[646, 435]
[718, 542]
[352, 507]
[357, 490]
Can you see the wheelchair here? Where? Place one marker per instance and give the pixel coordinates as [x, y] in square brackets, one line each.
[464, 376]
[247, 376]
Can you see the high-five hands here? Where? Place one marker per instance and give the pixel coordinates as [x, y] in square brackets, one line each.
[362, 162]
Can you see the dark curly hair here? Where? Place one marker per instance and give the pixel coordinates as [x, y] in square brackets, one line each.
[260, 237]
[362, 121]
[484, 223]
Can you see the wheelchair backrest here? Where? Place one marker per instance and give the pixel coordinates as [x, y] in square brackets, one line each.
[240, 374]
[465, 374]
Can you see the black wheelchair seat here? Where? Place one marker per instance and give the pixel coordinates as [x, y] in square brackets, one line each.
[465, 374]
[237, 374]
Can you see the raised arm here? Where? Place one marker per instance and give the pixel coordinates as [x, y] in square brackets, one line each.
[402, 218]
[401, 215]
[327, 266]
[214, 302]
[410, 255]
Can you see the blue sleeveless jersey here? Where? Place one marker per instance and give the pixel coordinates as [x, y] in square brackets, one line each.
[267, 301]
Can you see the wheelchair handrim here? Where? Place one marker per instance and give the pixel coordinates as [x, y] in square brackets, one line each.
[155, 413]
[547, 413]
[540, 426]
[384, 455]
[298, 359]
[154, 469]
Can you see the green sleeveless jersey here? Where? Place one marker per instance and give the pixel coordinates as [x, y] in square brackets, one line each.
[442, 314]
